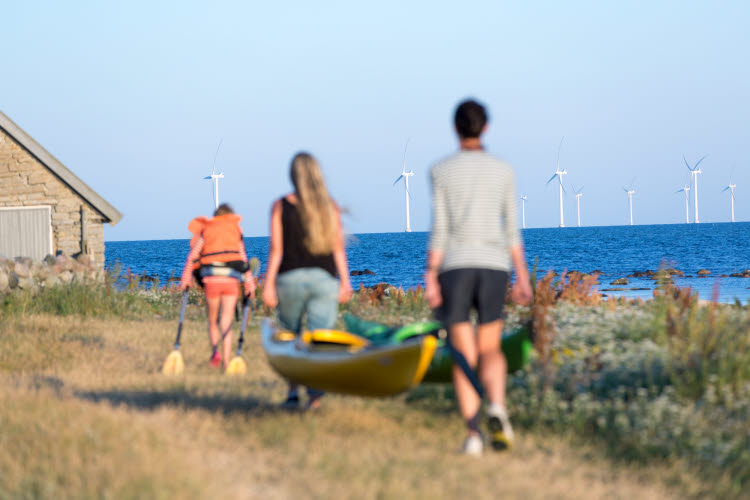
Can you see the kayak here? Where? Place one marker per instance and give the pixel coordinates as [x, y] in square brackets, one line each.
[336, 361]
[516, 343]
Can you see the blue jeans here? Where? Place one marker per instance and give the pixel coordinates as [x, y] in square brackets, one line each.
[308, 290]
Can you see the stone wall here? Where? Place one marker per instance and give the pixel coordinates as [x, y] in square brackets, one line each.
[22, 273]
[24, 181]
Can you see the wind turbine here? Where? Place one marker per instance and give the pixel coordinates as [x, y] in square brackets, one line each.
[559, 173]
[694, 172]
[215, 177]
[523, 211]
[630, 192]
[686, 189]
[578, 203]
[405, 175]
[731, 194]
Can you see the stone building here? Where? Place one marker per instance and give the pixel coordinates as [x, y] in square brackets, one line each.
[44, 207]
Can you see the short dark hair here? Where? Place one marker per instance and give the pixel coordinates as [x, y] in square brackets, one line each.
[470, 119]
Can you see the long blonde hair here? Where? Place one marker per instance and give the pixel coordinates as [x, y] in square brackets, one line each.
[316, 209]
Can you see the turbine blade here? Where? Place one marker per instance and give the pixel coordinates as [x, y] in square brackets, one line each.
[699, 162]
[551, 178]
[207, 177]
[216, 154]
[399, 178]
[725, 189]
[558, 151]
[686, 163]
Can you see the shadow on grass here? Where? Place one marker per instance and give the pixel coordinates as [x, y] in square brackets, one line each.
[182, 399]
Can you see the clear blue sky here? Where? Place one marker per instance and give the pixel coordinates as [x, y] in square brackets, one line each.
[135, 97]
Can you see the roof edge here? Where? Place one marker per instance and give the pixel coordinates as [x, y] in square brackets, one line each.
[112, 215]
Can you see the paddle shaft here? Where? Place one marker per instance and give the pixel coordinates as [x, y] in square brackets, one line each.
[460, 360]
[182, 318]
[243, 325]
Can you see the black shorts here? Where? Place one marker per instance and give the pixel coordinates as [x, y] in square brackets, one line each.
[466, 289]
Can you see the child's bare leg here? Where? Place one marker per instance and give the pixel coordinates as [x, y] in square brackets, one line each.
[228, 303]
[213, 315]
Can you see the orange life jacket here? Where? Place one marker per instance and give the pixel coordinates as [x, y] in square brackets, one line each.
[222, 238]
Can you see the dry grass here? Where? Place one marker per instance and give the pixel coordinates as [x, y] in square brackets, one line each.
[84, 413]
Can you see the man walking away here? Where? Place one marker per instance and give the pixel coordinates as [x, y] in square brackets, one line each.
[474, 240]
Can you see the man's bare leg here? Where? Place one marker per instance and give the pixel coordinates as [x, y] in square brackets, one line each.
[463, 340]
[493, 368]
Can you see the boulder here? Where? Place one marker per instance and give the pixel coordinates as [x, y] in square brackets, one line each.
[660, 275]
[63, 261]
[703, 272]
[25, 283]
[4, 282]
[84, 260]
[620, 281]
[361, 273]
[12, 280]
[50, 260]
[51, 280]
[674, 272]
[21, 269]
[640, 274]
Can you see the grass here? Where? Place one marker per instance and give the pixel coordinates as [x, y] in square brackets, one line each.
[626, 399]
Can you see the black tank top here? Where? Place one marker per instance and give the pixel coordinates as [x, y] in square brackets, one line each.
[296, 255]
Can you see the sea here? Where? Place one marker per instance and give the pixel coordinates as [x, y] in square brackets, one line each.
[615, 251]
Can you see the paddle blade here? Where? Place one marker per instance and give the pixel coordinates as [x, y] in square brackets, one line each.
[173, 365]
[237, 366]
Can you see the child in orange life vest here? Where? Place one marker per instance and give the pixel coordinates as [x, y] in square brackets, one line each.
[217, 252]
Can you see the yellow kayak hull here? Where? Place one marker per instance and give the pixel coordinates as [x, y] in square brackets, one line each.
[345, 363]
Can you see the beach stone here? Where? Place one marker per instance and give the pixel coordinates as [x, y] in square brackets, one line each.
[12, 280]
[703, 272]
[50, 260]
[674, 272]
[620, 281]
[66, 277]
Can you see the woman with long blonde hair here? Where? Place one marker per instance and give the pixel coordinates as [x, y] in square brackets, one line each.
[306, 254]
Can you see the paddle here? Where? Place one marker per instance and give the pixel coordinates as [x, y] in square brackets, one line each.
[174, 364]
[237, 365]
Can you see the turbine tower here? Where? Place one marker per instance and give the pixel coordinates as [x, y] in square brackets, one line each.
[559, 173]
[523, 211]
[578, 203]
[686, 189]
[215, 177]
[405, 175]
[694, 173]
[630, 192]
[731, 187]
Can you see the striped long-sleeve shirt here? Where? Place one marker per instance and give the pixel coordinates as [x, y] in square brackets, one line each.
[474, 218]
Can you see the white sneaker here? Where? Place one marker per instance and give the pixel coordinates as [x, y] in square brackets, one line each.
[501, 432]
[473, 446]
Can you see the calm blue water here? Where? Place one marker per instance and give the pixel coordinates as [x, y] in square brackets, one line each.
[398, 258]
